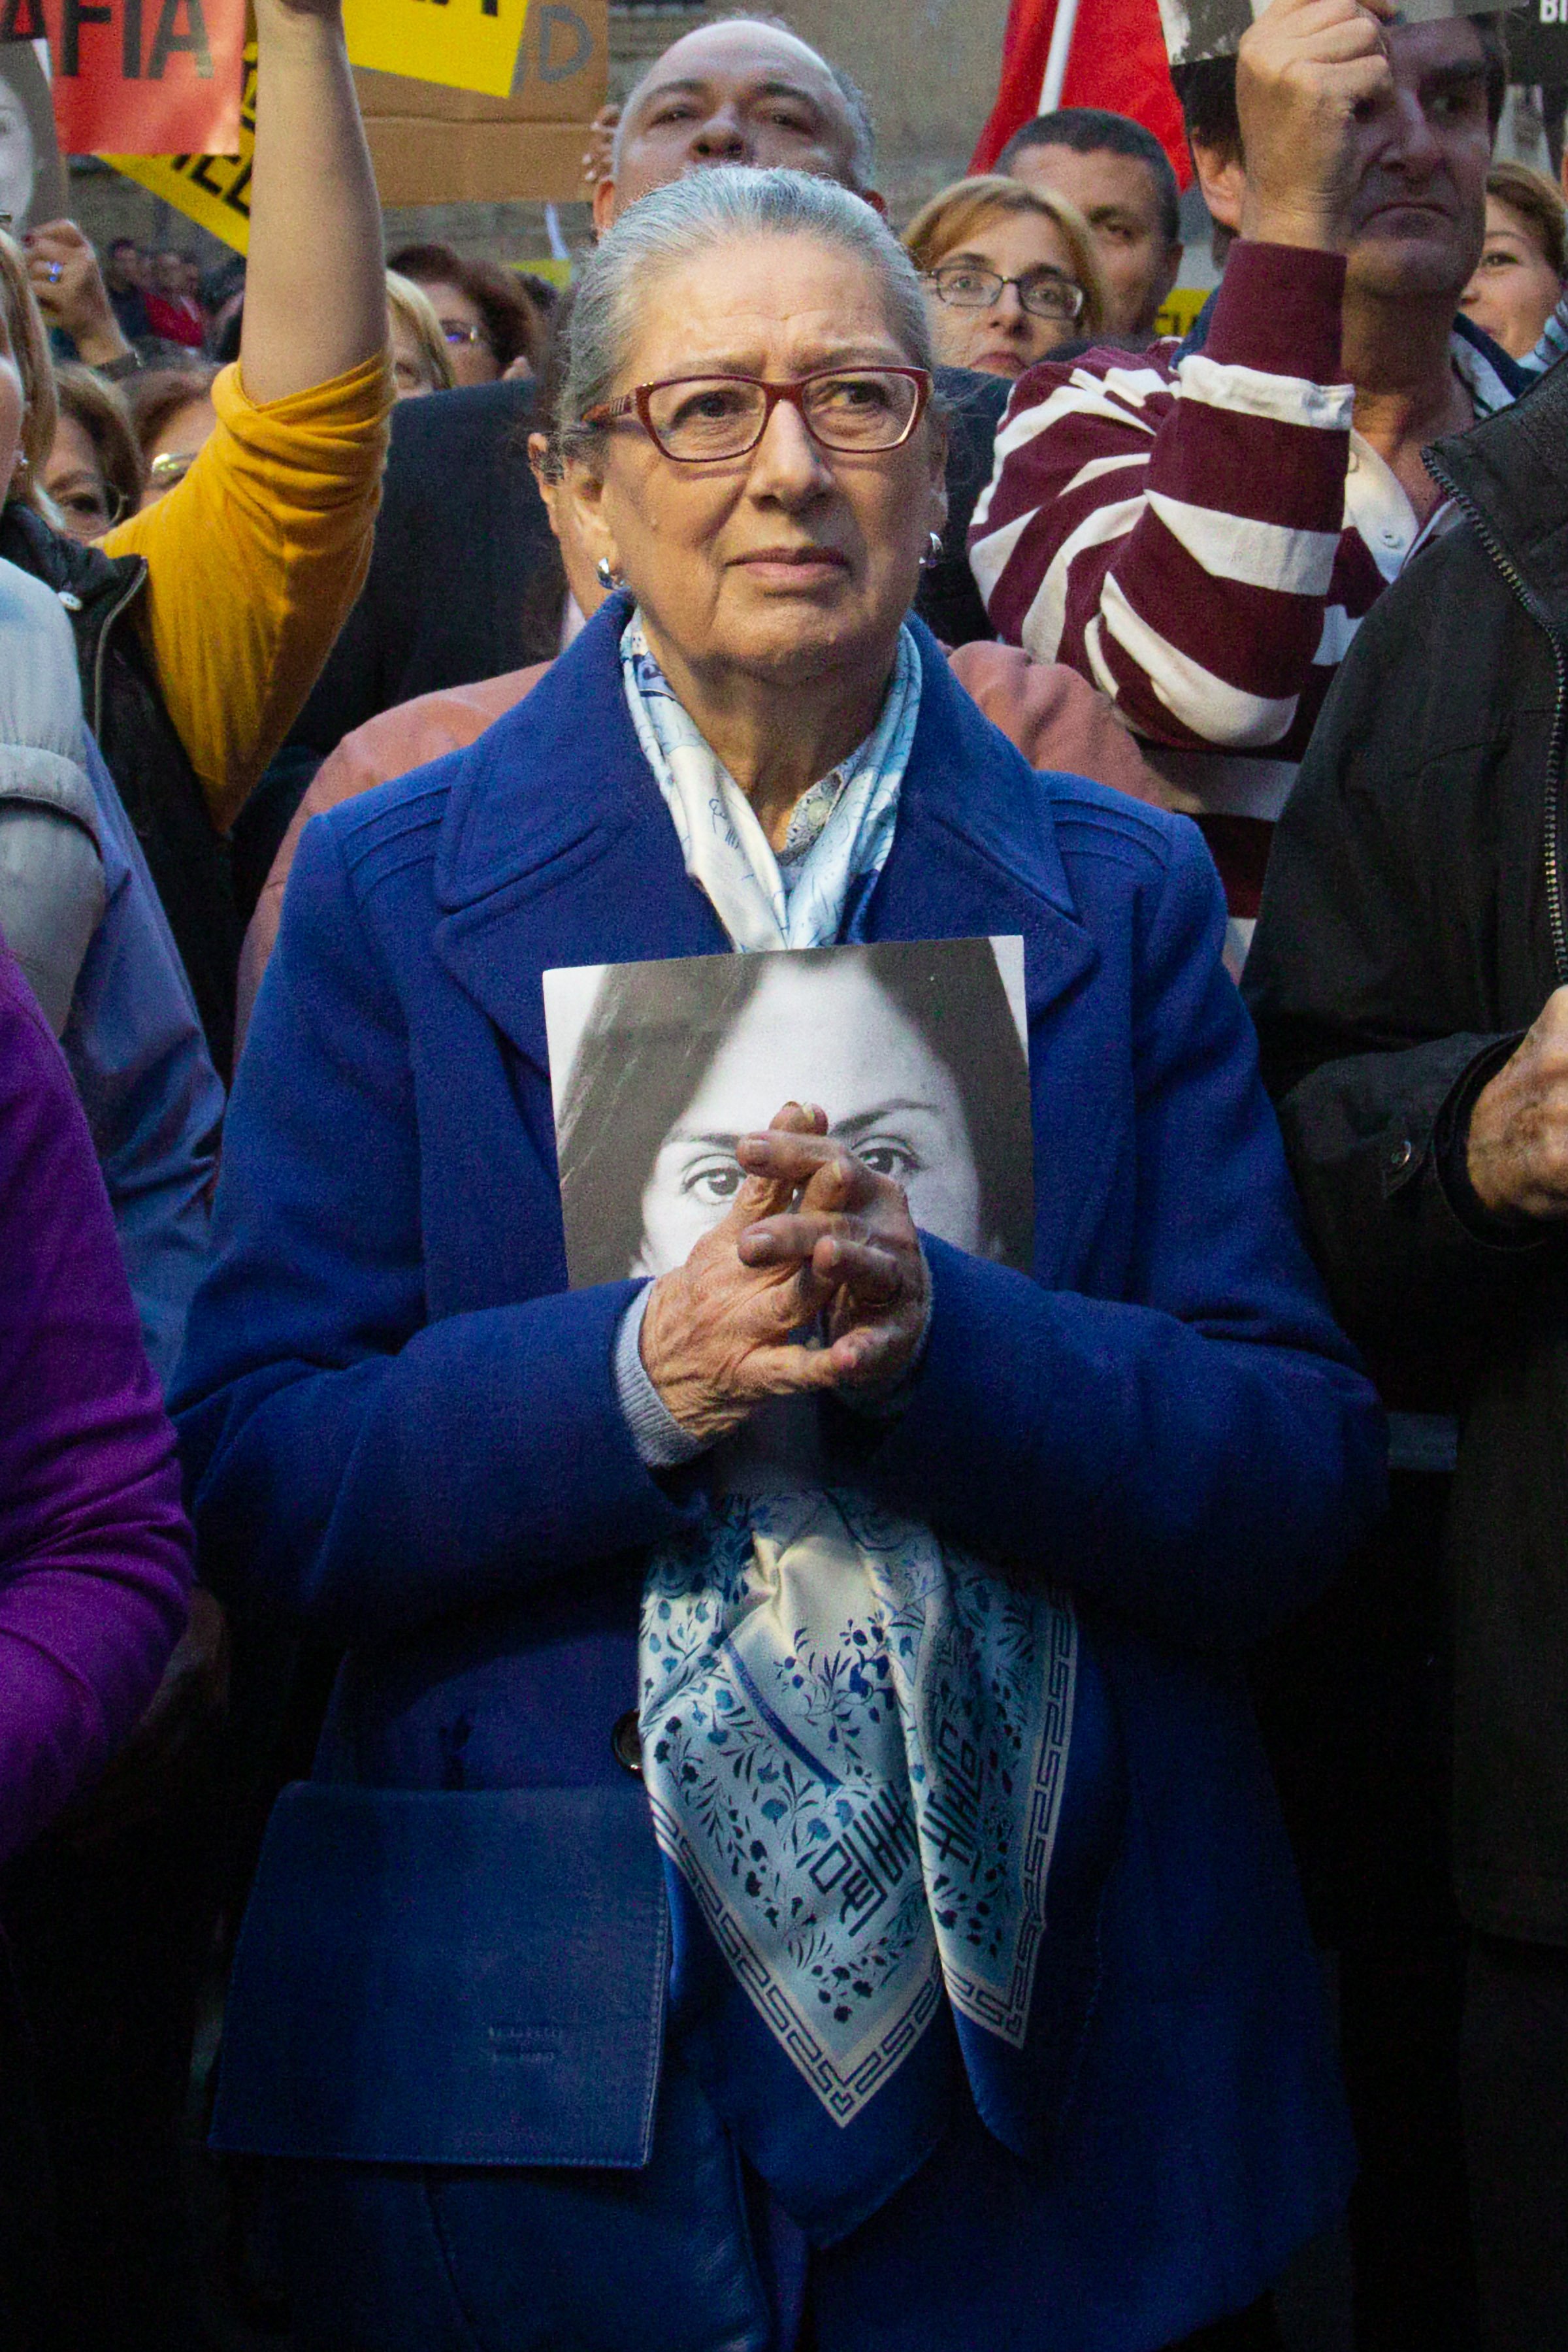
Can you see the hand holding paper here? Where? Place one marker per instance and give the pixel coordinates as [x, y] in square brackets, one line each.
[851, 1232]
[1303, 70]
[718, 1336]
[63, 269]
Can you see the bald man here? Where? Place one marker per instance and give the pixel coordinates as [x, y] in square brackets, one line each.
[738, 92]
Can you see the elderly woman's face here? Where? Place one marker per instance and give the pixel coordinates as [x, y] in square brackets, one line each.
[18, 159]
[791, 559]
[830, 1036]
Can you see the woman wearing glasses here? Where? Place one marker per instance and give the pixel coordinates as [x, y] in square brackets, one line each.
[1021, 2060]
[1010, 273]
[94, 475]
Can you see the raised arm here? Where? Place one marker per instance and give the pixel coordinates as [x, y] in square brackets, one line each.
[315, 289]
[1173, 536]
[255, 558]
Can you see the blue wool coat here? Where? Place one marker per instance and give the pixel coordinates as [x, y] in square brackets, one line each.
[402, 1430]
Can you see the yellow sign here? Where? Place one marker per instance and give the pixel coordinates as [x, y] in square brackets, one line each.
[1181, 310]
[211, 190]
[466, 43]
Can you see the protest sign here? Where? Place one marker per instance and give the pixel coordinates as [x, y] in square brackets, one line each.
[431, 143]
[32, 175]
[211, 190]
[147, 77]
[1196, 29]
[466, 44]
[917, 1051]
[1537, 42]
[433, 146]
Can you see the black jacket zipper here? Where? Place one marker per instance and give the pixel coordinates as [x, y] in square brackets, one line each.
[1504, 563]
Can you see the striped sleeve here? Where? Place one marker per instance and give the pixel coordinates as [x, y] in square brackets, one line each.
[1168, 526]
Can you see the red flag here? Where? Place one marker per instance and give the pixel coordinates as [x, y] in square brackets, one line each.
[1117, 60]
[148, 77]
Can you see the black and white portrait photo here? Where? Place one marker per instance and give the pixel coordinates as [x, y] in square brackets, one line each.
[32, 176]
[916, 1051]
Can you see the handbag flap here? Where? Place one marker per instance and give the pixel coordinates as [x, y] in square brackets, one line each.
[446, 1978]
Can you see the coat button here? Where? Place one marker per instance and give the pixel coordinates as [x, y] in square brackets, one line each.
[626, 1744]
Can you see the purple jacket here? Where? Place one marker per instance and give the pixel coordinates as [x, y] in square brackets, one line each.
[95, 1549]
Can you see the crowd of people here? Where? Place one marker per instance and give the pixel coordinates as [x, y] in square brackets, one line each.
[936, 1715]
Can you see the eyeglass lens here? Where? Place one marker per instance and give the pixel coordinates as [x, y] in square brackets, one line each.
[723, 417]
[1044, 297]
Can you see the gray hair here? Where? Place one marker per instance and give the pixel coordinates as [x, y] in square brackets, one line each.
[857, 105]
[672, 225]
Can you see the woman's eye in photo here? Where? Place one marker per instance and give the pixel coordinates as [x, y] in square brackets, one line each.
[714, 1182]
[888, 1156]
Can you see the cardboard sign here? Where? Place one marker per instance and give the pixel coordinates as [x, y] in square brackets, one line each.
[211, 190]
[1196, 29]
[32, 173]
[147, 77]
[432, 145]
[465, 44]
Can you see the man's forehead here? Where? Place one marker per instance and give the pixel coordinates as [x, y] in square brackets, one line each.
[1442, 45]
[742, 52]
[1058, 166]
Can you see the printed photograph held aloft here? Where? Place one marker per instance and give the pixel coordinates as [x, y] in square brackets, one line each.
[1196, 29]
[917, 1051]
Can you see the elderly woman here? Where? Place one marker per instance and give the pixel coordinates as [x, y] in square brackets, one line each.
[1011, 274]
[953, 1993]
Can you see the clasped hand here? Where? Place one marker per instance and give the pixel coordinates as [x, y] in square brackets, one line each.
[813, 1235]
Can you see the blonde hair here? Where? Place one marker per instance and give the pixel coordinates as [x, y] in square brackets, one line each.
[29, 341]
[411, 305]
[946, 222]
[1538, 203]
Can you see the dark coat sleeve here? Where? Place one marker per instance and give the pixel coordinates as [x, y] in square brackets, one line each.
[460, 545]
[949, 601]
[1199, 1453]
[1400, 952]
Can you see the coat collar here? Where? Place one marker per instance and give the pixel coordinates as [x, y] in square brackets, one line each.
[1512, 473]
[556, 849]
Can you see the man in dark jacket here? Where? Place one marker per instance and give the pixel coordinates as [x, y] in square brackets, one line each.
[1410, 984]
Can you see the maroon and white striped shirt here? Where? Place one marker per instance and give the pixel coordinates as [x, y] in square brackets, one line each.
[1200, 536]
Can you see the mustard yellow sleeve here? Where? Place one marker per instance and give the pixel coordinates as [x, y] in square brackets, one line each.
[254, 563]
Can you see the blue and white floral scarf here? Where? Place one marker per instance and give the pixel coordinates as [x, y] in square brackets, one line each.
[856, 1739]
[843, 831]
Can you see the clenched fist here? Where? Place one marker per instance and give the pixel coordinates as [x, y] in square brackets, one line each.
[1305, 69]
[1518, 1155]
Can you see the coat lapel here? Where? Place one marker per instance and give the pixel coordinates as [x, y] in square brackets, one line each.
[557, 849]
[975, 852]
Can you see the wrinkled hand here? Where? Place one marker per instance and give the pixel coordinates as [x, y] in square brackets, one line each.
[1305, 69]
[1517, 1153]
[63, 269]
[191, 1698]
[812, 1232]
[850, 1231]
